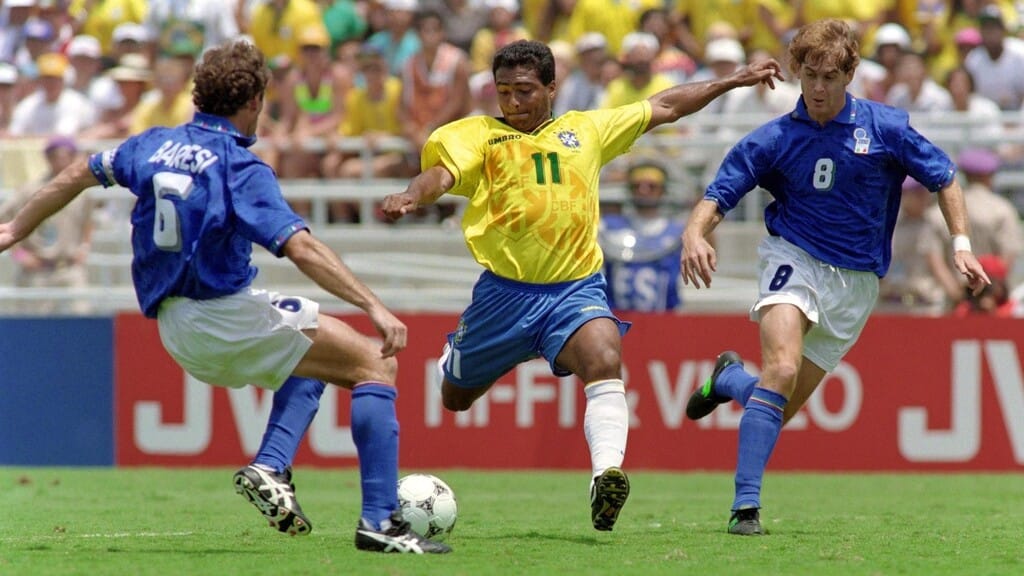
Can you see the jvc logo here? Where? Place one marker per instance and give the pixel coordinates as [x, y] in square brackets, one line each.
[250, 411]
[962, 441]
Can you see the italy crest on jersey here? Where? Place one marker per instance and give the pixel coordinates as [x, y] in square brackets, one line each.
[861, 141]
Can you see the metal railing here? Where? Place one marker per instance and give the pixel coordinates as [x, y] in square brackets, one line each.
[426, 267]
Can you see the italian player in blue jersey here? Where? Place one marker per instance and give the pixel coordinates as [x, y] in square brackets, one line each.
[531, 222]
[835, 167]
[202, 201]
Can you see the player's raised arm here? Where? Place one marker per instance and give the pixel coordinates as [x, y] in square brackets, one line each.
[672, 104]
[48, 200]
[424, 189]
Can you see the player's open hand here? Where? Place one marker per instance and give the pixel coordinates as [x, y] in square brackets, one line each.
[969, 266]
[698, 261]
[767, 71]
[394, 332]
[397, 205]
[7, 238]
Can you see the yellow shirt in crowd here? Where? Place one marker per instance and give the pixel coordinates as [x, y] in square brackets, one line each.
[364, 115]
[99, 18]
[277, 34]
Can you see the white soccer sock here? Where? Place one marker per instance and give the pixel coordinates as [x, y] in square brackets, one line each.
[606, 423]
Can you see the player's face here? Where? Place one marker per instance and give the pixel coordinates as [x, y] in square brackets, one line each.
[824, 90]
[524, 101]
[646, 192]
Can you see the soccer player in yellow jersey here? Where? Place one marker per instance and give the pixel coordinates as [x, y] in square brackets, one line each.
[531, 221]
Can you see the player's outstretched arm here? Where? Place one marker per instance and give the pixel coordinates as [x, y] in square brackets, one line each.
[323, 266]
[673, 103]
[425, 188]
[954, 211]
[699, 259]
[49, 199]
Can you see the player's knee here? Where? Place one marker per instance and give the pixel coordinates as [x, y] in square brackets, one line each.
[604, 363]
[780, 377]
[456, 404]
[376, 369]
[388, 369]
[455, 399]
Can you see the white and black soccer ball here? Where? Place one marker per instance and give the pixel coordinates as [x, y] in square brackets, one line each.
[428, 504]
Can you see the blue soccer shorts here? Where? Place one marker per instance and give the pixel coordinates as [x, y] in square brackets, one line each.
[509, 322]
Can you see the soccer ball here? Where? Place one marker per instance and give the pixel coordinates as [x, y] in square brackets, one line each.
[428, 504]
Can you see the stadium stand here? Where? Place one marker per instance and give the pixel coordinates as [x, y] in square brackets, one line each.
[425, 266]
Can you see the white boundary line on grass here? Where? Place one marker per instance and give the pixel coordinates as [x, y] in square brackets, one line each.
[97, 535]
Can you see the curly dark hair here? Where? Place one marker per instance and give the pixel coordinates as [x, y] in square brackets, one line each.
[528, 54]
[228, 77]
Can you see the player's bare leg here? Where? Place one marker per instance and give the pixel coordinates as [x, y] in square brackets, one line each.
[782, 327]
[459, 398]
[593, 354]
[807, 381]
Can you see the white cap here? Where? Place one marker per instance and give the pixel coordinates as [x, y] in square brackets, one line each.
[407, 5]
[132, 68]
[892, 33]
[130, 31]
[591, 41]
[19, 3]
[84, 45]
[724, 50]
[8, 73]
[561, 49]
[635, 40]
[509, 5]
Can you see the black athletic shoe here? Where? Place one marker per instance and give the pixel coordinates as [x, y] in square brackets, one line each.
[703, 401]
[607, 497]
[395, 536]
[745, 522]
[273, 495]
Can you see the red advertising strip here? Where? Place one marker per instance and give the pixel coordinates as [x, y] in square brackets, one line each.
[914, 394]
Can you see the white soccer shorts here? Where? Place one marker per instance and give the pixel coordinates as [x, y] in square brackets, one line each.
[837, 301]
[251, 337]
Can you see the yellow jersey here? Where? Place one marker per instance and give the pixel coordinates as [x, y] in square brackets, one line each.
[364, 115]
[276, 32]
[533, 198]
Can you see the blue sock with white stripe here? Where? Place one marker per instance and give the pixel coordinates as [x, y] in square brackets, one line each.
[375, 433]
[759, 430]
[736, 383]
[295, 405]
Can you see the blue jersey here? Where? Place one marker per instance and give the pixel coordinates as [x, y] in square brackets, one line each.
[836, 187]
[202, 200]
[641, 262]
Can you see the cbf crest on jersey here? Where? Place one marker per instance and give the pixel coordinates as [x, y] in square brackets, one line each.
[568, 139]
[861, 142]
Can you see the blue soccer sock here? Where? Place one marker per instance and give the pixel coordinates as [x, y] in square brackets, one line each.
[295, 405]
[736, 383]
[375, 433]
[759, 430]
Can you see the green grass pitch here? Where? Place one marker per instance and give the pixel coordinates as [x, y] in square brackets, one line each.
[190, 521]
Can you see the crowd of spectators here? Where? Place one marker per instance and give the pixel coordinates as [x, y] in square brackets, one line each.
[390, 71]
